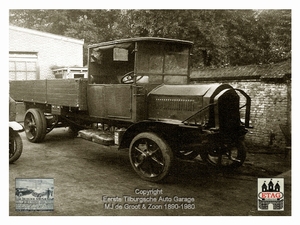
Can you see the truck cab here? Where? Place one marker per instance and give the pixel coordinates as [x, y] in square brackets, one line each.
[122, 72]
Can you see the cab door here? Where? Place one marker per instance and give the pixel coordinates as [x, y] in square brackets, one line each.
[110, 101]
[118, 101]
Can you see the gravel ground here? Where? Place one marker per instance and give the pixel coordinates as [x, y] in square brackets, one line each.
[84, 172]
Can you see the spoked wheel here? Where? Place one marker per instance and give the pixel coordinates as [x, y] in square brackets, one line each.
[230, 155]
[35, 125]
[150, 156]
[15, 146]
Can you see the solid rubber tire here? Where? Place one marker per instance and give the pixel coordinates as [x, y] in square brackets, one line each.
[165, 150]
[18, 146]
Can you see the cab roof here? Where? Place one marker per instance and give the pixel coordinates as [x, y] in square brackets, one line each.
[140, 39]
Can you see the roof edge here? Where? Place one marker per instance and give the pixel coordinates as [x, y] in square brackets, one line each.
[45, 34]
[136, 39]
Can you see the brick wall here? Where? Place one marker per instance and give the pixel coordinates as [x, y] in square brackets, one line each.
[53, 50]
[270, 108]
[269, 86]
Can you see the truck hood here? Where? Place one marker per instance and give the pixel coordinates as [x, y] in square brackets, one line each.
[184, 90]
[179, 102]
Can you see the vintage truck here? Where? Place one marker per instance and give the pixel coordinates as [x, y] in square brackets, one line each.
[138, 96]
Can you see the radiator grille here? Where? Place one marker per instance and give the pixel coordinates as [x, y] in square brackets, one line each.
[175, 104]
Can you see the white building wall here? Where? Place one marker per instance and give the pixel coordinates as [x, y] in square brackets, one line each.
[52, 50]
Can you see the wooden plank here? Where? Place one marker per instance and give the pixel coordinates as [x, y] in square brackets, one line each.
[67, 92]
[62, 92]
[30, 91]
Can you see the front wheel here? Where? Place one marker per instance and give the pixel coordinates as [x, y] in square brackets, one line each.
[230, 155]
[15, 146]
[150, 156]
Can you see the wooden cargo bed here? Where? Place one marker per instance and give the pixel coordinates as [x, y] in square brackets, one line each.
[61, 92]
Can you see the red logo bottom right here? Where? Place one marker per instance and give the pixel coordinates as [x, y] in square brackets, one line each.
[270, 194]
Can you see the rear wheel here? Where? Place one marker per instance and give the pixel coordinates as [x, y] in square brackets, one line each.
[230, 155]
[150, 156]
[35, 125]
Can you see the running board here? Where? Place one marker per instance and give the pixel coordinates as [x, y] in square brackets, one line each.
[98, 136]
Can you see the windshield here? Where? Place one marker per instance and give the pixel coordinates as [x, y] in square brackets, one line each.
[163, 62]
[162, 58]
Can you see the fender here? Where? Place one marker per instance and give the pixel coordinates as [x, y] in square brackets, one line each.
[154, 126]
[16, 126]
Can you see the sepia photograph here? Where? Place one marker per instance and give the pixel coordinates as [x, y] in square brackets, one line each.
[155, 112]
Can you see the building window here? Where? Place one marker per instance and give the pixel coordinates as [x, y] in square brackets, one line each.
[23, 66]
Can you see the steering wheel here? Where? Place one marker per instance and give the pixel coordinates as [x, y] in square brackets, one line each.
[128, 78]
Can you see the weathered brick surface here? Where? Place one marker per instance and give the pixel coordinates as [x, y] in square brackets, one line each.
[270, 108]
[52, 50]
[269, 87]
